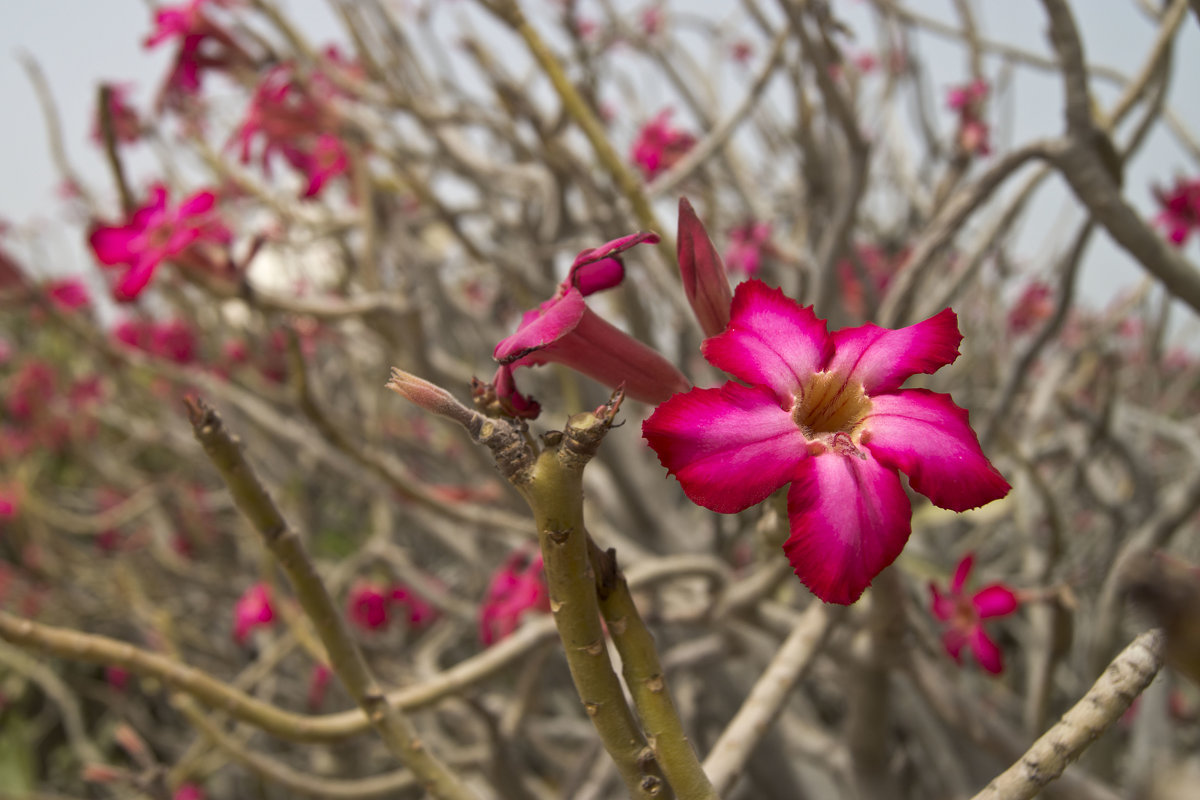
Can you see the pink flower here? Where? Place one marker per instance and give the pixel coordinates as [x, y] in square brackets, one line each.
[1180, 214]
[127, 125]
[368, 606]
[659, 145]
[203, 45]
[252, 610]
[973, 132]
[188, 791]
[116, 677]
[747, 245]
[156, 233]
[67, 294]
[418, 612]
[825, 413]
[965, 614]
[1035, 304]
[516, 588]
[295, 119]
[564, 330]
[878, 264]
[174, 340]
[10, 503]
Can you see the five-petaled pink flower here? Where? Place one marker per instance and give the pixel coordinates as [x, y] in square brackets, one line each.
[965, 614]
[659, 145]
[1180, 214]
[252, 610]
[516, 589]
[564, 330]
[156, 233]
[825, 413]
[973, 132]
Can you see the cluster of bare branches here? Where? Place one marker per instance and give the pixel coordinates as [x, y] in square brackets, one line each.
[400, 200]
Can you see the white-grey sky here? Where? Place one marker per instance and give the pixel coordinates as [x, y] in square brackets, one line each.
[81, 42]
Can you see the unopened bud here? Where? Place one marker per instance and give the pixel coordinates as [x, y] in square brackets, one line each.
[430, 397]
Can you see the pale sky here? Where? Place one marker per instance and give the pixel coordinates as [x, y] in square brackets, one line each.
[81, 42]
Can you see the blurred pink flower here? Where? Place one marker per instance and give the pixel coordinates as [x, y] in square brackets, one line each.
[964, 615]
[368, 606]
[156, 233]
[1180, 214]
[516, 589]
[878, 264]
[67, 294]
[973, 132]
[825, 413]
[418, 612]
[1035, 305]
[252, 610]
[747, 245]
[659, 145]
[318, 684]
[188, 791]
[295, 120]
[127, 125]
[116, 677]
[10, 502]
[174, 340]
[203, 45]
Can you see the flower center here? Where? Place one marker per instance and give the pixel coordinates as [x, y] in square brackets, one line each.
[827, 405]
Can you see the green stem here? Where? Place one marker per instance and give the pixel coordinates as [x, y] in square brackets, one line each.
[347, 660]
[555, 494]
[647, 683]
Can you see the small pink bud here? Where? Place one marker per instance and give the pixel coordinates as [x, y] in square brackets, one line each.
[703, 273]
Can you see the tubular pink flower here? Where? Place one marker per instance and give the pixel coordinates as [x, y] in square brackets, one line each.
[825, 413]
[156, 233]
[705, 281]
[964, 615]
[563, 330]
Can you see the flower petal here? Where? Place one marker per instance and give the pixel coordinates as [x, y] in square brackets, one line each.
[850, 518]
[987, 652]
[547, 323]
[771, 340]
[996, 600]
[961, 573]
[596, 276]
[882, 359]
[927, 437]
[199, 203]
[953, 640]
[941, 605]
[729, 447]
[114, 245]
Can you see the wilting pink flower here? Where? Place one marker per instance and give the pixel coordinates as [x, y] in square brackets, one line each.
[564, 330]
[156, 233]
[418, 611]
[747, 245]
[705, 282]
[825, 413]
[1035, 304]
[965, 614]
[973, 132]
[516, 588]
[67, 294]
[368, 606]
[1180, 214]
[659, 145]
[127, 125]
[252, 610]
